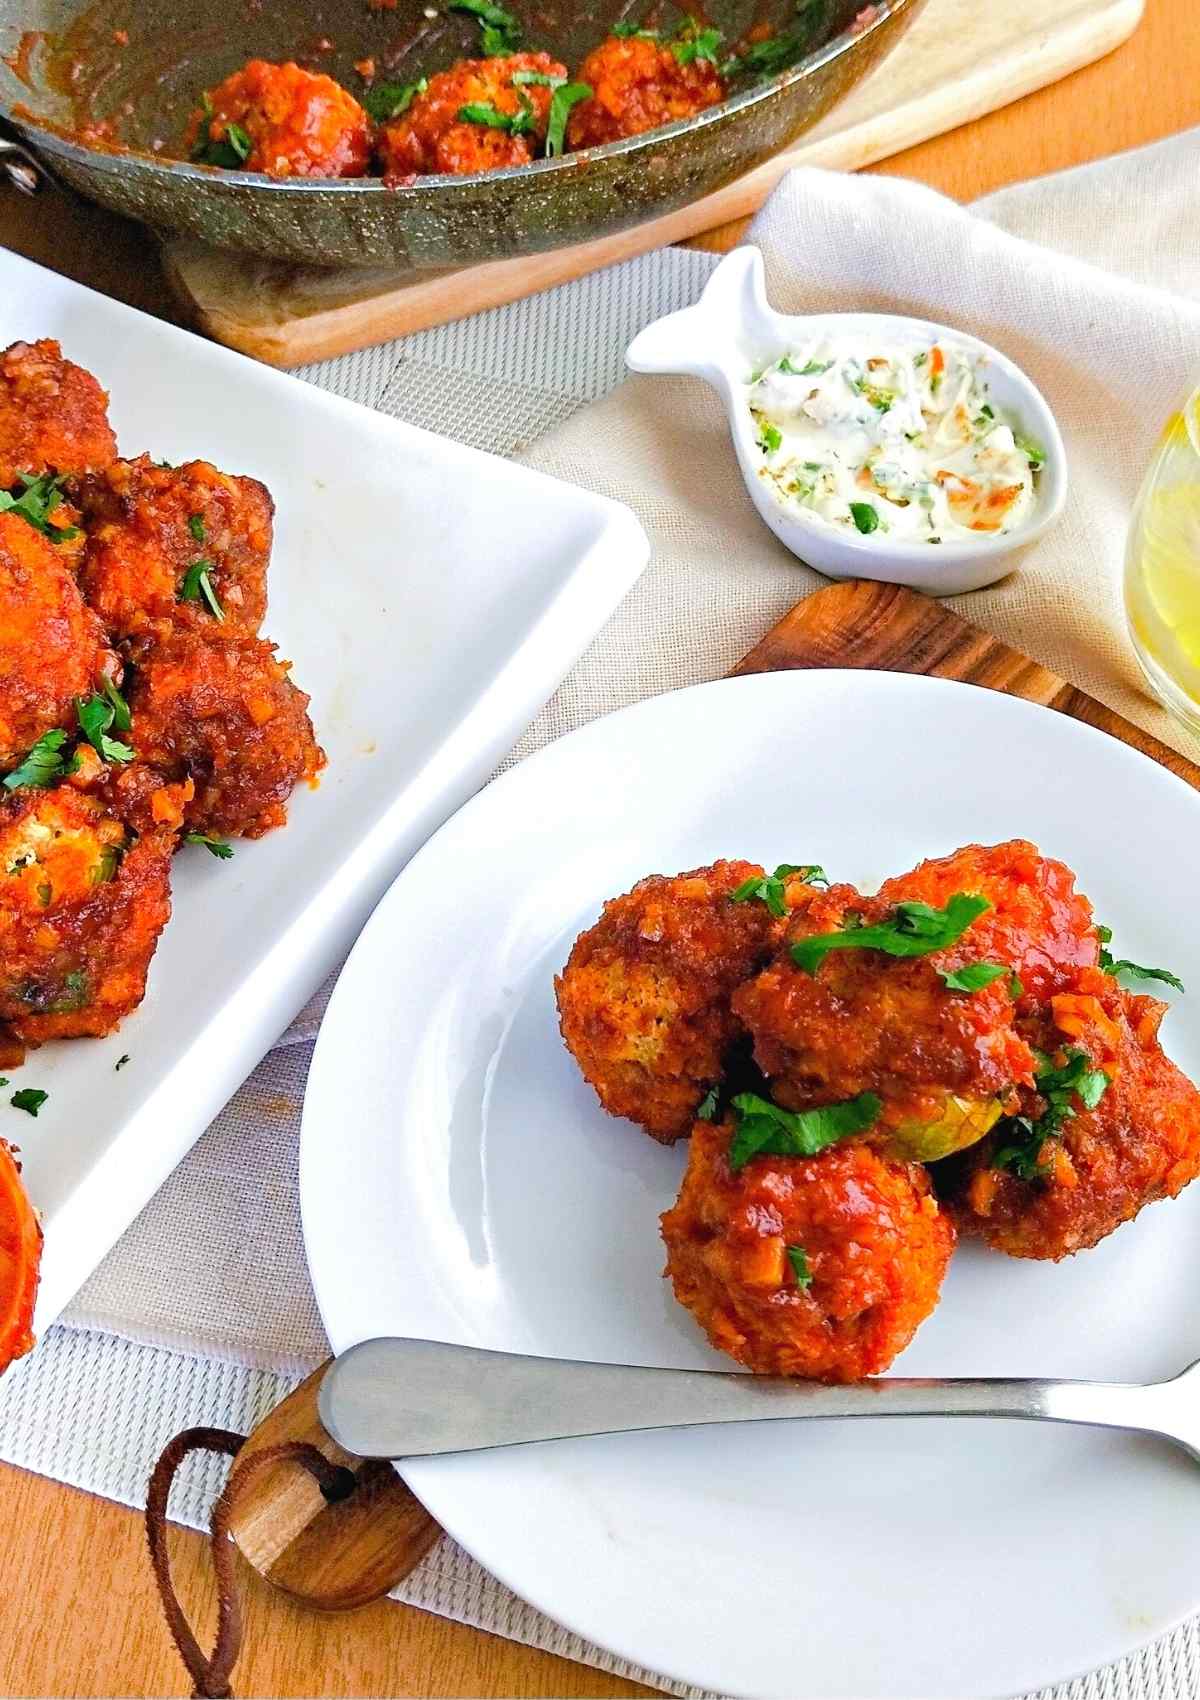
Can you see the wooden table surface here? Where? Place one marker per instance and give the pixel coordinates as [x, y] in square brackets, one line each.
[77, 1612]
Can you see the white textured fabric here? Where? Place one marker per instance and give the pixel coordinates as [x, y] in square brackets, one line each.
[204, 1310]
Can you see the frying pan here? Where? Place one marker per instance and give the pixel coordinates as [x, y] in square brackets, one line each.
[139, 65]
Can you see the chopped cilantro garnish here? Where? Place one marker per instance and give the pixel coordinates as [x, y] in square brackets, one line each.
[96, 714]
[561, 102]
[769, 437]
[537, 79]
[230, 150]
[35, 504]
[518, 123]
[627, 28]
[120, 1063]
[914, 929]
[865, 517]
[1058, 1085]
[385, 101]
[974, 976]
[707, 1107]
[1033, 452]
[1115, 965]
[1016, 988]
[121, 717]
[770, 888]
[28, 1098]
[763, 1129]
[693, 42]
[196, 583]
[798, 1258]
[218, 847]
[500, 32]
[44, 764]
[196, 526]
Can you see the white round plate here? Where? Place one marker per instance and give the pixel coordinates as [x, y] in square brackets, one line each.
[460, 1182]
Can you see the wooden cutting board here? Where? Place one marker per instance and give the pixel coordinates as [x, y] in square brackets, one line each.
[331, 1556]
[959, 60]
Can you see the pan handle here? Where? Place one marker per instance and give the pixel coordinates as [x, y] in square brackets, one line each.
[20, 165]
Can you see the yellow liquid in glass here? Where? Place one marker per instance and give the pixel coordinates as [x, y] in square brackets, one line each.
[1162, 567]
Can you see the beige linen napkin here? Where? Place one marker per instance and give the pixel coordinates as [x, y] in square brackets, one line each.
[1113, 353]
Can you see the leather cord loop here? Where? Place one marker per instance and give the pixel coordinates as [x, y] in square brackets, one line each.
[210, 1676]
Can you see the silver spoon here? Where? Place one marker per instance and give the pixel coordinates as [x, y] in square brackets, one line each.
[421, 1398]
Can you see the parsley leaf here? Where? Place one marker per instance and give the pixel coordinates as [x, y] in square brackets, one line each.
[763, 1129]
[29, 1099]
[561, 102]
[974, 976]
[218, 847]
[914, 930]
[769, 437]
[96, 714]
[1116, 965]
[1033, 452]
[769, 888]
[692, 42]
[121, 717]
[231, 150]
[707, 1108]
[519, 123]
[35, 504]
[44, 764]
[385, 101]
[1058, 1085]
[1016, 988]
[865, 516]
[500, 31]
[798, 1258]
[196, 526]
[538, 79]
[810, 367]
[196, 584]
[627, 28]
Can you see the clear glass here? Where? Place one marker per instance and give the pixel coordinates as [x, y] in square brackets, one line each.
[1162, 567]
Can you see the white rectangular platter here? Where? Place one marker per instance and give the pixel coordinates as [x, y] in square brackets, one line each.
[430, 598]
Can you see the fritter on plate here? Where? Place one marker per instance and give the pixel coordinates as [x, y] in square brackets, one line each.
[1111, 1125]
[644, 1000]
[822, 1267]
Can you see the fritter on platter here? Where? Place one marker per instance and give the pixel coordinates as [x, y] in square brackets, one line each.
[52, 648]
[53, 415]
[83, 899]
[225, 715]
[175, 548]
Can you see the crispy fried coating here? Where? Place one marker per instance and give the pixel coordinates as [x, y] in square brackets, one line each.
[51, 646]
[432, 137]
[300, 123]
[20, 1261]
[638, 84]
[866, 1022]
[643, 1001]
[148, 525]
[82, 902]
[224, 714]
[53, 414]
[866, 1232]
[1038, 925]
[1140, 1143]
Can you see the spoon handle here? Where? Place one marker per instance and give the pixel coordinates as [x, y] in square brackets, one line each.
[393, 1398]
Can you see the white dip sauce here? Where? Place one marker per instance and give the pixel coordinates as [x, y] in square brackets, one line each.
[892, 442]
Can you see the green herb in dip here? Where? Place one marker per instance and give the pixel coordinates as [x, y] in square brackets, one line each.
[901, 442]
